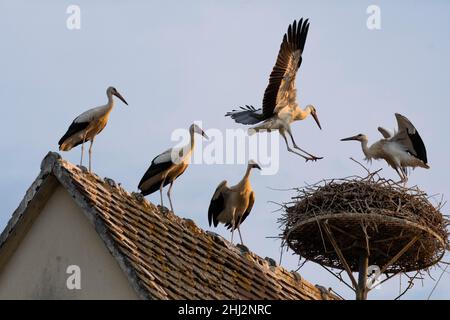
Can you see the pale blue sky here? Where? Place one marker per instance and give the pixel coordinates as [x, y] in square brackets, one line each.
[177, 62]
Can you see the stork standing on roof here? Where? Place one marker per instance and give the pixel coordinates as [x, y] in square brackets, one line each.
[400, 150]
[168, 166]
[232, 205]
[88, 125]
[280, 107]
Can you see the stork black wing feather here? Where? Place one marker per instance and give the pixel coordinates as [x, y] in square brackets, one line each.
[419, 146]
[216, 206]
[74, 128]
[154, 169]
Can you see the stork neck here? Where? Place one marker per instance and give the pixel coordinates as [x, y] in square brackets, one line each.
[246, 177]
[192, 141]
[366, 149]
[302, 113]
[110, 103]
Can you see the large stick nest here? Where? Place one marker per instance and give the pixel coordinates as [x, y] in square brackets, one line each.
[372, 214]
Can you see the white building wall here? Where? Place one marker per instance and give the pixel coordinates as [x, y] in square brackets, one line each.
[62, 236]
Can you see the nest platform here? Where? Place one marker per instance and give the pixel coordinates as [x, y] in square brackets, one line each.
[397, 228]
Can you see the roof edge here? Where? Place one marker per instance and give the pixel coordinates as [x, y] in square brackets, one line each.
[51, 168]
[46, 168]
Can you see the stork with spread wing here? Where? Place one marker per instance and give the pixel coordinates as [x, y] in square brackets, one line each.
[402, 150]
[280, 107]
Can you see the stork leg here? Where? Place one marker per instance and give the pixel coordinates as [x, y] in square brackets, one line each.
[403, 177]
[90, 154]
[293, 151]
[168, 196]
[311, 157]
[161, 189]
[240, 236]
[239, 228]
[82, 151]
[232, 225]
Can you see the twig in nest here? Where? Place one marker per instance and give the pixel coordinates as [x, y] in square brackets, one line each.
[332, 291]
[363, 166]
[440, 277]
[300, 265]
[410, 285]
[370, 174]
[339, 277]
[281, 254]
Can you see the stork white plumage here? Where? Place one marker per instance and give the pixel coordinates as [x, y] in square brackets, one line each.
[401, 150]
[280, 107]
[232, 205]
[89, 124]
[168, 166]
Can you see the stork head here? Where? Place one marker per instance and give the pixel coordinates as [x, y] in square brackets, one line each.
[111, 91]
[253, 165]
[196, 129]
[359, 137]
[313, 112]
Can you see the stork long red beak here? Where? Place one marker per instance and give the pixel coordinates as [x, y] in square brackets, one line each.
[314, 114]
[118, 95]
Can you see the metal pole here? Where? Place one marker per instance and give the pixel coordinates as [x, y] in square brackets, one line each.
[362, 290]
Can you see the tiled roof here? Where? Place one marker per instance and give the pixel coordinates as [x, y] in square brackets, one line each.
[165, 256]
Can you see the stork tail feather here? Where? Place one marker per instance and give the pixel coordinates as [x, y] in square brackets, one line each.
[246, 115]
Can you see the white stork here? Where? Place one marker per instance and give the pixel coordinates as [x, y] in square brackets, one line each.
[89, 124]
[402, 150]
[280, 107]
[168, 166]
[232, 205]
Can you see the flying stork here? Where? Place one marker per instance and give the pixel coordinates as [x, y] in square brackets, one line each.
[168, 166]
[232, 205]
[400, 150]
[280, 107]
[89, 124]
